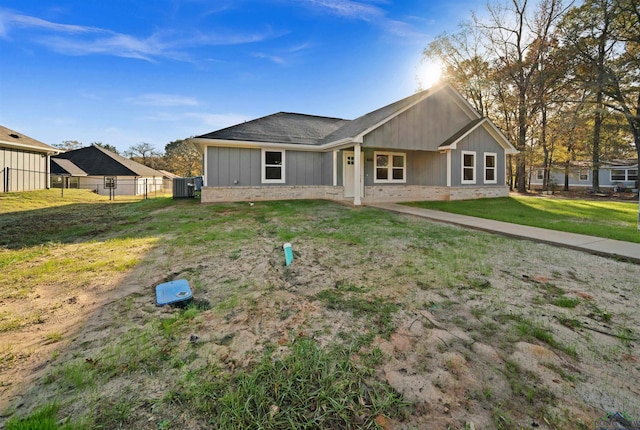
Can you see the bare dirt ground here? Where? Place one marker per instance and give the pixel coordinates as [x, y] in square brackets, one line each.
[467, 352]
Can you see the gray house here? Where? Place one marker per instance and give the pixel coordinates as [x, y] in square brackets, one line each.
[24, 162]
[429, 146]
[616, 175]
[104, 172]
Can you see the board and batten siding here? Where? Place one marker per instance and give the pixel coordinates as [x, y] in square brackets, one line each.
[425, 126]
[480, 142]
[28, 170]
[423, 168]
[227, 167]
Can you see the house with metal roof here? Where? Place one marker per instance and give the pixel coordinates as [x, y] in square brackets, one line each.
[104, 172]
[432, 145]
[24, 162]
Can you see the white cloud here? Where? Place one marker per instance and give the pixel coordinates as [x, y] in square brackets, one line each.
[348, 8]
[72, 39]
[162, 100]
[375, 15]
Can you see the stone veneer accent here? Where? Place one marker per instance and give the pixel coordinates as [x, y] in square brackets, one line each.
[403, 193]
[284, 192]
[395, 193]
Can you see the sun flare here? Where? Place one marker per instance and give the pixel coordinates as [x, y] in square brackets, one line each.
[429, 73]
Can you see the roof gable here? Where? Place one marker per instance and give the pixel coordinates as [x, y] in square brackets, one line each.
[311, 132]
[95, 160]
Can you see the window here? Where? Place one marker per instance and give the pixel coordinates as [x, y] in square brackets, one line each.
[583, 175]
[390, 167]
[618, 175]
[273, 166]
[540, 174]
[490, 168]
[468, 167]
[632, 175]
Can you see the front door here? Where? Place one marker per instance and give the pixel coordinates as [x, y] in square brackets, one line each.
[348, 173]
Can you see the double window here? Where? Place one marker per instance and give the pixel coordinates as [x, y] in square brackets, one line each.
[273, 166]
[624, 175]
[390, 167]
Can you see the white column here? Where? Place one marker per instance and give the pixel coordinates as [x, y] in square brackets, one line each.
[448, 167]
[204, 166]
[335, 168]
[356, 173]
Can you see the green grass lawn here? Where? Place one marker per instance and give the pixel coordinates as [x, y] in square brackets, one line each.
[608, 219]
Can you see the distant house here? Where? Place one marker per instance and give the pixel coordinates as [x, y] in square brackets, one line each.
[104, 172]
[613, 175]
[167, 180]
[24, 162]
[429, 146]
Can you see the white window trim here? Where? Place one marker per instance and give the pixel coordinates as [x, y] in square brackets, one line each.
[264, 167]
[583, 171]
[390, 168]
[462, 167]
[494, 168]
[540, 174]
[626, 175]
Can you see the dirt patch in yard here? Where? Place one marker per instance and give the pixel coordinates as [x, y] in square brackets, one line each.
[473, 330]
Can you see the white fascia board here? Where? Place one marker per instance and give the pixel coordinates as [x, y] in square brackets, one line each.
[255, 145]
[52, 151]
[201, 143]
[463, 103]
[500, 137]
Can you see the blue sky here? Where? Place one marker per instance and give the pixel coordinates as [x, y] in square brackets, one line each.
[124, 72]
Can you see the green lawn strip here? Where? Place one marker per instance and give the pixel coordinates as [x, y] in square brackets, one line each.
[607, 219]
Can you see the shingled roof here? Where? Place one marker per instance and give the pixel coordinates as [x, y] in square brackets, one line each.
[281, 127]
[295, 128]
[12, 139]
[95, 160]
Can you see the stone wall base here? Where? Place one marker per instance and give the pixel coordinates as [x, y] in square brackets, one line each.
[251, 194]
[373, 194]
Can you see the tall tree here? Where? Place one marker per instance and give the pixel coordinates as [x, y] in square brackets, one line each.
[465, 65]
[68, 145]
[182, 158]
[144, 153]
[516, 33]
[588, 31]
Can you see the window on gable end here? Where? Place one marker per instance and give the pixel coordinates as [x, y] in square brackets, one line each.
[468, 167]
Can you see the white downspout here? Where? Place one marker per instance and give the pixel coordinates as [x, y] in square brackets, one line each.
[356, 173]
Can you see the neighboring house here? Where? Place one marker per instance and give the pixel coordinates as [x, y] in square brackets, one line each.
[24, 162]
[167, 180]
[613, 175]
[104, 172]
[430, 146]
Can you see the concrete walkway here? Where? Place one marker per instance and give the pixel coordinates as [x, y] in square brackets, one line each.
[594, 245]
